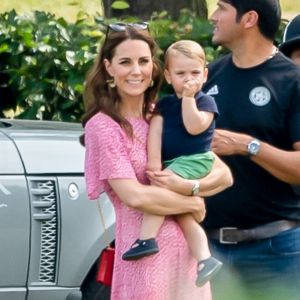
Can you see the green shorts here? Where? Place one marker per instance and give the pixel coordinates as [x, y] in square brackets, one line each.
[191, 166]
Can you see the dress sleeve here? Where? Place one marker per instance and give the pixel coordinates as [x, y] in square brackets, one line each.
[107, 154]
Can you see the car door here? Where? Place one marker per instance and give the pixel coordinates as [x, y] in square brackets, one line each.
[14, 223]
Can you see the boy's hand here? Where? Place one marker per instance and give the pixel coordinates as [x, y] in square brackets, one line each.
[190, 88]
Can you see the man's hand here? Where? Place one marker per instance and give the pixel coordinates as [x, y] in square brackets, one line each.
[230, 143]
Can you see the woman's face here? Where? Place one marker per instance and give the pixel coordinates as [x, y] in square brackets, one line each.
[131, 67]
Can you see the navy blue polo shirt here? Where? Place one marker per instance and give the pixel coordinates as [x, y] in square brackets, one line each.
[176, 141]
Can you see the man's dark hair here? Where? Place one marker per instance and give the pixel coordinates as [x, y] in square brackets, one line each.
[269, 12]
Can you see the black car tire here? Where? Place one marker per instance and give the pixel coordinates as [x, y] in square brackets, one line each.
[96, 291]
[93, 290]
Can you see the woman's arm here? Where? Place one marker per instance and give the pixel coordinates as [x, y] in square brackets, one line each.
[219, 179]
[155, 200]
[216, 181]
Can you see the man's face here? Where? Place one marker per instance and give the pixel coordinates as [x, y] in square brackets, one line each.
[295, 56]
[226, 29]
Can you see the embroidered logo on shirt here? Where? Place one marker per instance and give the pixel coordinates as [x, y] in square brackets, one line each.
[260, 96]
[213, 91]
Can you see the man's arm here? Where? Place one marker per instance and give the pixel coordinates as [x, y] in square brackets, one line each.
[282, 164]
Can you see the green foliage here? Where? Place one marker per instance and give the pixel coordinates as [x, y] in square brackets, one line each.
[45, 59]
[188, 26]
[120, 5]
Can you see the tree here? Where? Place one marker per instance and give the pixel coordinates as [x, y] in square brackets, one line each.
[143, 9]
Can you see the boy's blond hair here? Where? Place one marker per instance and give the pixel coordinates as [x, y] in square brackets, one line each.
[188, 48]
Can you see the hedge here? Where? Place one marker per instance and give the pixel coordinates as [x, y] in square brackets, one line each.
[44, 59]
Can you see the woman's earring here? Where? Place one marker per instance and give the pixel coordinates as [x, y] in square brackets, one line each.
[151, 83]
[111, 83]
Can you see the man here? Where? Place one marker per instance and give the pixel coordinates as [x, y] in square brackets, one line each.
[291, 40]
[254, 226]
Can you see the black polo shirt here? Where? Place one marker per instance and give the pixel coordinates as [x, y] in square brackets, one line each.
[264, 102]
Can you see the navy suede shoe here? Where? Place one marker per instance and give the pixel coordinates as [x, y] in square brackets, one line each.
[141, 248]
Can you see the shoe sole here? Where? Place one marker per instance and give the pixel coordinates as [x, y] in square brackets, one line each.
[201, 281]
[140, 255]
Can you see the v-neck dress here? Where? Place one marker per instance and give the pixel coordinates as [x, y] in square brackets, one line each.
[171, 273]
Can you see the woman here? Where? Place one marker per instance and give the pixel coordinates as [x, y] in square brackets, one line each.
[120, 92]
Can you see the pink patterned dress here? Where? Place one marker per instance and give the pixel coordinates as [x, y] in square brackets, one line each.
[167, 275]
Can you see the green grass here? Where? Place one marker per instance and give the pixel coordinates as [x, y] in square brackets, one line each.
[69, 8]
[62, 8]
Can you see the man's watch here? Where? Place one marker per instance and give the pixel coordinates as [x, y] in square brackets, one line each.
[253, 147]
[196, 188]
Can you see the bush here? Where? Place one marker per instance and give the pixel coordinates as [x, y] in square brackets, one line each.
[44, 59]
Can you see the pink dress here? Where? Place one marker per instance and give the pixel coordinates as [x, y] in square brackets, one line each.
[167, 275]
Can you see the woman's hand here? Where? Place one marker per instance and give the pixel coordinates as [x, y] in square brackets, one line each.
[216, 181]
[169, 180]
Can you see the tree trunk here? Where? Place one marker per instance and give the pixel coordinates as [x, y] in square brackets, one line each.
[143, 9]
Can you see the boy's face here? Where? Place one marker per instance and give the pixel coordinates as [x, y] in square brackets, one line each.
[295, 56]
[181, 69]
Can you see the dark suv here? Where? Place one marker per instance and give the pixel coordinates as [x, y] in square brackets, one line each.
[51, 235]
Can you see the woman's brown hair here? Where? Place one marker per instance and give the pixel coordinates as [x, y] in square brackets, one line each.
[99, 96]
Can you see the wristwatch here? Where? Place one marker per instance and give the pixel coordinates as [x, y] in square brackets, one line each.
[253, 147]
[196, 188]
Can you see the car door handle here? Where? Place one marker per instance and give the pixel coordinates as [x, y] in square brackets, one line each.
[43, 217]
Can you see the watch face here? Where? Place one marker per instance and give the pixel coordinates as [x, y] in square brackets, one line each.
[253, 147]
